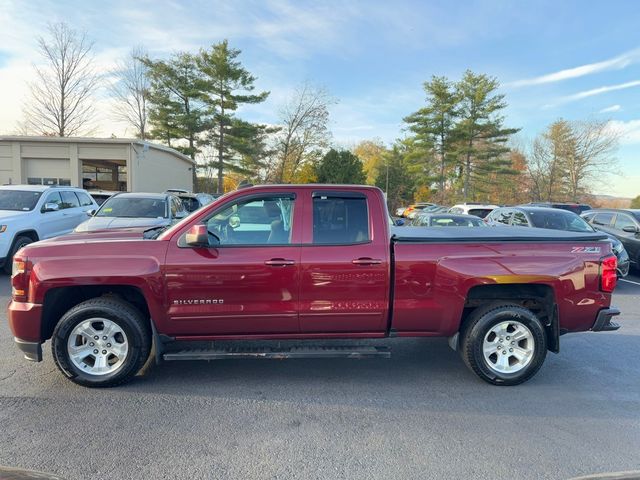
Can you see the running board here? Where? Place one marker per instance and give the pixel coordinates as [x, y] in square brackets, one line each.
[280, 353]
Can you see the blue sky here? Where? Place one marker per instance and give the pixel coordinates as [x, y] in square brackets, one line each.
[567, 59]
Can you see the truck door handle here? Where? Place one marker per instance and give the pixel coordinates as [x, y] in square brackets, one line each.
[279, 262]
[366, 261]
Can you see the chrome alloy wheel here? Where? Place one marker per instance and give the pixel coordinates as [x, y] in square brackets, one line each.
[508, 347]
[97, 346]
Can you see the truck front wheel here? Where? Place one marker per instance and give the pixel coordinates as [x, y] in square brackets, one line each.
[504, 344]
[101, 342]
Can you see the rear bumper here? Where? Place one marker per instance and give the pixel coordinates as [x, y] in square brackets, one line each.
[32, 350]
[603, 321]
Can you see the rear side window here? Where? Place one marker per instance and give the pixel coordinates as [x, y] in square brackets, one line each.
[603, 219]
[69, 200]
[85, 200]
[340, 221]
[456, 210]
[502, 216]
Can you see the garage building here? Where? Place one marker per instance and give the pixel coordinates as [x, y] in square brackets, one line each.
[97, 163]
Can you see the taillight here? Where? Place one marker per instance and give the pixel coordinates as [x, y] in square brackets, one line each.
[19, 279]
[608, 274]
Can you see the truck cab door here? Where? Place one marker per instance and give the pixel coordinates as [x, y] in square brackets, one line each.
[246, 281]
[345, 263]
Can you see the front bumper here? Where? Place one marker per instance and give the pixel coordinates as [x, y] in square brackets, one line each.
[32, 350]
[603, 321]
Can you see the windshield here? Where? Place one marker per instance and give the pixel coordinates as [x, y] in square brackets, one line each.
[18, 200]
[560, 220]
[132, 207]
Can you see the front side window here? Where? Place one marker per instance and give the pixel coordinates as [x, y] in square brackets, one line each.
[85, 201]
[622, 221]
[257, 221]
[53, 197]
[603, 219]
[340, 221]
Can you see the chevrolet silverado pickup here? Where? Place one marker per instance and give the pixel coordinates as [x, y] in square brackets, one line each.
[305, 265]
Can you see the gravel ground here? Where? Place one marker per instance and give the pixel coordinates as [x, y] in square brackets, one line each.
[421, 414]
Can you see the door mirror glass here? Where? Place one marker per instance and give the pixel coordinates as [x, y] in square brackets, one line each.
[197, 236]
[630, 229]
[51, 207]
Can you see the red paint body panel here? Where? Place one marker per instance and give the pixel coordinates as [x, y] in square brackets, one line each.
[229, 292]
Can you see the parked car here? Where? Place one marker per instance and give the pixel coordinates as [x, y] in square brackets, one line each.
[446, 220]
[207, 198]
[29, 213]
[101, 195]
[576, 208]
[415, 206]
[423, 209]
[190, 201]
[335, 269]
[476, 209]
[126, 210]
[555, 219]
[624, 224]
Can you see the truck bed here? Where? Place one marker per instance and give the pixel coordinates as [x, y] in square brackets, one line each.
[492, 234]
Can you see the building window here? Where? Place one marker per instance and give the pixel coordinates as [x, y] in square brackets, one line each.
[64, 182]
[49, 181]
[34, 181]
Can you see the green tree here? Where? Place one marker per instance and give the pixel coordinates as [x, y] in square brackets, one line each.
[480, 130]
[227, 86]
[635, 203]
[176, 108]
[340, 166]
[395, 179]
[433, 126]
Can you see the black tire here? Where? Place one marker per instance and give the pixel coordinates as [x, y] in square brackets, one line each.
[479, 324]
[18, 243]
[127, 317]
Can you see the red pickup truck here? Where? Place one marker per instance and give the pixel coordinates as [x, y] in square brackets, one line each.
[305, 265]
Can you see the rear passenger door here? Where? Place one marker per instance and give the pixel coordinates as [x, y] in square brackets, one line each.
[344, 284]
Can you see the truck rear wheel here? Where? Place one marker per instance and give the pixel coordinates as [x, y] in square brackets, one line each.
[504, 344]
[101, 342]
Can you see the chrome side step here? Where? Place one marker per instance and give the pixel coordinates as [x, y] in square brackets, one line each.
[280, 353]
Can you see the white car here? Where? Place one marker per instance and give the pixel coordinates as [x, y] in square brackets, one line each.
[29, 213]
[476, 209]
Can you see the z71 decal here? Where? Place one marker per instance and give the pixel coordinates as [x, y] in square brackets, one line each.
[585, 250]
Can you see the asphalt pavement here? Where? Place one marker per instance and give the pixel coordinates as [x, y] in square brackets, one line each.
[420, 415]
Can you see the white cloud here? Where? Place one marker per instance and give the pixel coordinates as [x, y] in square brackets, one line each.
[601, 90]
[629, 131]
[611, 109]
[616, 63]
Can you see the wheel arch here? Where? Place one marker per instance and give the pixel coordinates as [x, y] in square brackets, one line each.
[59, 300]
[539, 298]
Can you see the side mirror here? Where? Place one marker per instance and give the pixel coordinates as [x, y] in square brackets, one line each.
[181, 214]
[91, 213]
[51, 207]
[197, 236]
[399, 222]
[630, 229]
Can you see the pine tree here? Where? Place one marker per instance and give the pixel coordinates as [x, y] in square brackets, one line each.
[340, 166]
[481, 135]
[227, 86]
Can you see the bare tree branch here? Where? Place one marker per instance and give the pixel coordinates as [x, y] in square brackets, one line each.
[61, 102]
[131, 91]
